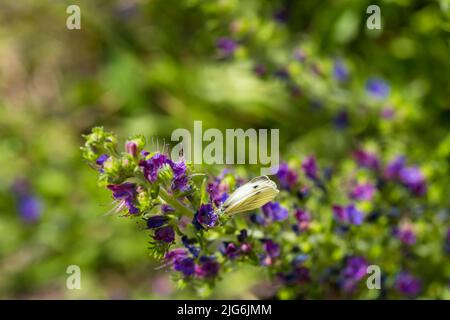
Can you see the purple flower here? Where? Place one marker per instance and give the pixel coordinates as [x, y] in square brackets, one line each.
[309, 166]
[165, 234]
[354, 215]
[226, 46]
[165, 208]
[206, 216]
[152, 166]
[156, 222]
[217, 191]
[377, 88]
[366, 159]
[394, 167]
[175, 254]
[414, 180]
[126, 194]
[406, 234]
[303, 218]
[274, 211]
[349, 214]
[185, 266]
[208, 267]
[288, 178]
[271, 248]
[407, 284]
[189, 244]
[30, 208]
[355, 268]
[363, 191]
[340, 71]
[231, 250]
[180, 183]
[100, 160]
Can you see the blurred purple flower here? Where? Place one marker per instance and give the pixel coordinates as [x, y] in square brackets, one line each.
[340, 71]
[226, 46]
[309, 166]
[406, 234]
[366, 159]
[349, 214]
[377, 88]
[414, 180]
[288, 177]
[274, 211]
[303, 219]
[363, 191]
[407, 284]
[271, 248]
[30, 208]
[394, 167]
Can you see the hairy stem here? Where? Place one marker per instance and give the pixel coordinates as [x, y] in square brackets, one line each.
[174, 203]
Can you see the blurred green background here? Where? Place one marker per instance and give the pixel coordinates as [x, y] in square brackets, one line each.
[150, 67]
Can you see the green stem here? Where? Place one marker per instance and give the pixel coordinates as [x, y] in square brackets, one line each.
[174, 203]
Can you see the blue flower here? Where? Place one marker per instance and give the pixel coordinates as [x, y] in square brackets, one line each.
[152, 166]
[100, 160]
[30, 208]
[274, 211]
[206, 216]
[340, 71]
[165, 234]
[349, 214]
[377, 88]
[156, 221]
[394, 167]
[185, 266]
[126, 194]
[189, 244]
[208, 267]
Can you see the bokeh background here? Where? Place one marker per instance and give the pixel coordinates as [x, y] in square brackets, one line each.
[148, 67]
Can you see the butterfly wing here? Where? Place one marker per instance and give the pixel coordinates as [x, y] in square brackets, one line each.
[250, 196]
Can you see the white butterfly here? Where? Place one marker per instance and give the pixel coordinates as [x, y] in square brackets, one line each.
[250, 196]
